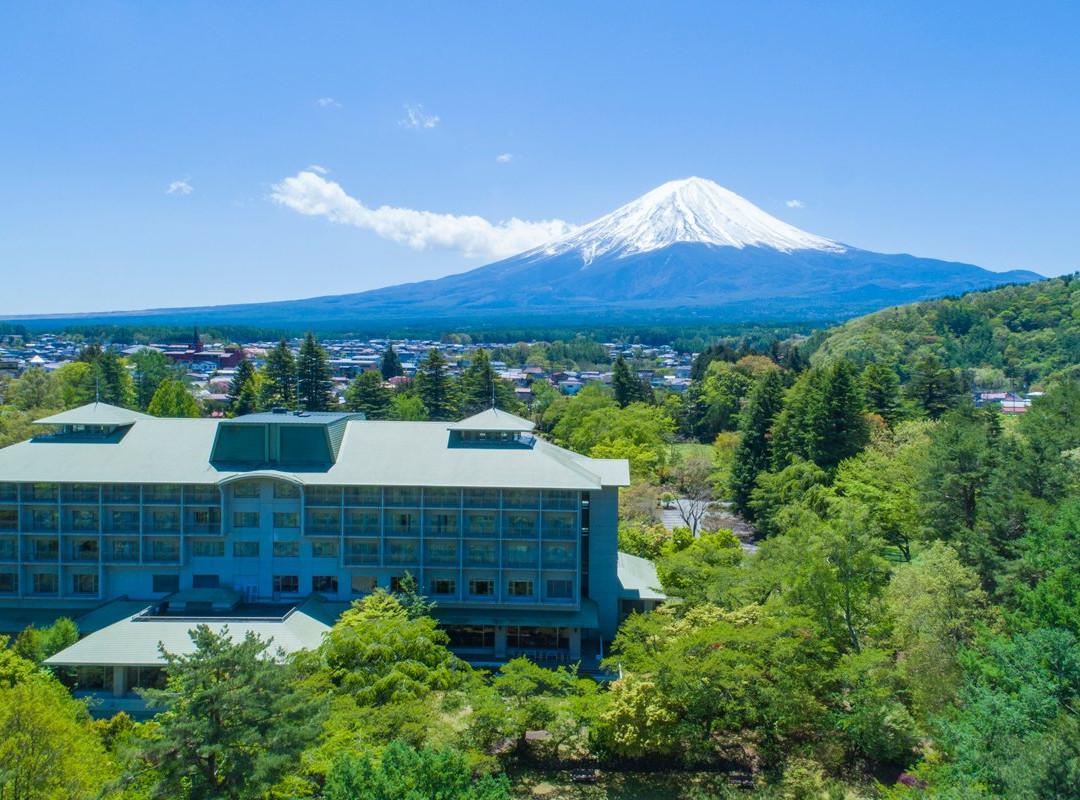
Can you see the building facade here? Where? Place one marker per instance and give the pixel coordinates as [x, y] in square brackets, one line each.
[515, 539]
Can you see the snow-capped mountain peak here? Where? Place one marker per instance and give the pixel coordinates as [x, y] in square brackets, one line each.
[688, 210]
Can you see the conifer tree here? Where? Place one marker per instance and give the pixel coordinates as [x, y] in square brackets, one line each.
[172, 399]
[114, 384]
[933, 388]
[248, 401]
[368, 395]
[434, 387]
[313, 375]
[280, 373]
[628, 387]
[390, 364]
[882, 389]
[752, 455]
[479, 385]
[244, 373]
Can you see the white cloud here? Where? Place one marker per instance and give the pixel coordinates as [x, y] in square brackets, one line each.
[795, 204]
[328, 102]
[504, 158]
[475, 237]
[180, 186]
[318, 169]
[415, 118]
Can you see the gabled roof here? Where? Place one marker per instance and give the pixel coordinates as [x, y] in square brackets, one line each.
[638, 579]
[493, 420]
[94, 414]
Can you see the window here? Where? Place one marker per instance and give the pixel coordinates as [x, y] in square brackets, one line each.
[46, 583]
[443, 586]
[401, 552]
[479, 524]
[122, 493]
[164, 550]
[396, 582]
[559, 525]
[363, 584]
[125, 521]
[481, 554]
[537, 638]
[44, 550]
[205, 581]
[362, 522]
[84, 520]
[482, 498]
[206, 518]
[402, 496]
[43, 520]
[86, 550]
[9, 519]
[482, 587]
[324, 583]
[286, 519]
[471, 636]
[560, 589]
[161, 493]
[165, 520]
[404, 522]
[245, 519]
[519, 588]
[521, 498]
[442, 498]
[324, 521]
[165, 583]
[286, 549]
[9, 582]
[324, 549]
[125, 550]
[363, 496]
[204, 549]
[8, 548]
[442, 522]
[245, 549]
[287, 584]
[361, 552]
[286, 491]
[442, 552]
[521, 554]
[246, 489]
[560, 555]
[521, 524]
[322, 495]
[202, 494]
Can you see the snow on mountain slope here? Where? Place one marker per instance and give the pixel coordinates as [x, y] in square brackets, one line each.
[690, 210]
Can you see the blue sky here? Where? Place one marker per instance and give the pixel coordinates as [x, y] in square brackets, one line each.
[945, 130]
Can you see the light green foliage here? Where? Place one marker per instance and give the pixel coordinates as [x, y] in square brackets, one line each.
[13, 667]
[753, 453]
[642, 539]
[704, 570]
[369, 395]
[1051, 430]
[48, 749]
[172, 399]
[34, 390]
[800, 481]
[715, 402]
[881, 388]
[75, 384]
[37, 644]
[151, 368]
[935, 603]
[1047, 587]
[404, 773]
[234, 720]
[638, 433]
[313, 375]
[406, 406]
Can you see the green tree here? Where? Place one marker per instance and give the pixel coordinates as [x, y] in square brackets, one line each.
[933, 388]
[369, 395]
[48, 750]
[881, 387]
[279, 372]
[406, 406]
[34, 390]
[313, 375]
[37, 644]
[754, 450]
[434, 387]
[480, 387]
[114, 383]
[706, 571]
[627, 386]
[151, 368]
[172, 399]
[75, 384]
[233, 719]
[404, 773]
[390, 364]
[242, 376]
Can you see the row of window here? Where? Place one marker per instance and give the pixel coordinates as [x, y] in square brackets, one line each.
[109, 493]
[49, 583]
[87, 520]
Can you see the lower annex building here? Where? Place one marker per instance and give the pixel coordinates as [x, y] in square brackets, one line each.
[140, 527]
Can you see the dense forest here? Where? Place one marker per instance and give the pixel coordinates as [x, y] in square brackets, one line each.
[909, 626]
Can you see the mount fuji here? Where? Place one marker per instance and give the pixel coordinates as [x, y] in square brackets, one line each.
[689, 249]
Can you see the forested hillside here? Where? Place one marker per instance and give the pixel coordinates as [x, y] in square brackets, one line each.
[1008, 337]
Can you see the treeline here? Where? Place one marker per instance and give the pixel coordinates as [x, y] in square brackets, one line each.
[1008, 338]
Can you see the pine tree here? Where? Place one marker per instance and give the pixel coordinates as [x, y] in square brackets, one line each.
[313, 375]
[151, 368]
[368, 394]
[752, 454]
[248, 401]
[841, 426]
[114, 384]
[390, 365]
[244, 373]
[280, 373]
[434, 387]
[479, 385]
[628, 387]
[882, 389]
[934, 388]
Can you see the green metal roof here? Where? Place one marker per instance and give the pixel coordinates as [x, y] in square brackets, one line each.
[493, 420]
[369, 454]
[638, 579]
[477, 614]
[94, 414]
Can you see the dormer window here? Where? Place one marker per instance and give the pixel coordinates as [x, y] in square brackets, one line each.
[492, 428]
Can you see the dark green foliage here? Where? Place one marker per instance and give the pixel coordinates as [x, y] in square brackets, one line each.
[244, 374]
[114, 384]
[480, 388]
[37, 644]
[754, 452]
[151, 368]
[881, 388]
[628, 387]
[390, 364]
[404, 773]
[435, 388]
[313, 375]
[279, 373]
[369, 395]
[234, 723]
[933, 389]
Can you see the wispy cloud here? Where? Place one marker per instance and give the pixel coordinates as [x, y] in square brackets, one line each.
[795, 204]
[416, 119]
[180, 186]
[312, 194]
[318, 169]
[504, 158]
[328, 102]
